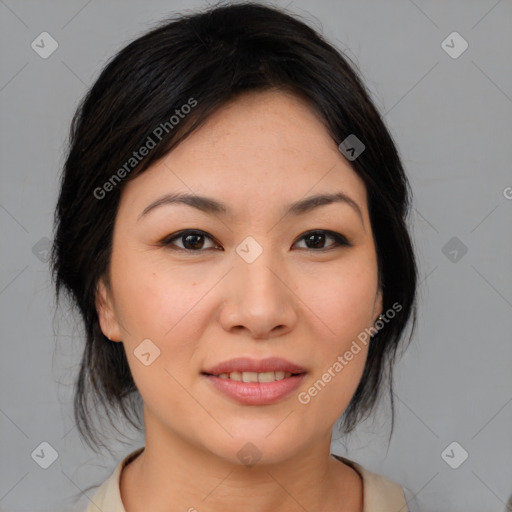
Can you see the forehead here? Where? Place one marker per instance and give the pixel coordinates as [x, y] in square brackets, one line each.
[259, 149]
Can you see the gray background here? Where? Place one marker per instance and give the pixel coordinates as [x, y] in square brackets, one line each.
[451, 118]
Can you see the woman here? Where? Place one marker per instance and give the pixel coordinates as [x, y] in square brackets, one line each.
[231, 227]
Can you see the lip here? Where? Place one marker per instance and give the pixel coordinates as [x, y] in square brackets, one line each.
[256, 393]
[247, 364]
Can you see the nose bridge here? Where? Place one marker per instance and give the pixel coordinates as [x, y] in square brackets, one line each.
[259, 299]
[257, 269]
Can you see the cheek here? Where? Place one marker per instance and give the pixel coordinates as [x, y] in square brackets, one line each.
[346, 300]
[153, 302]
[164, 307]
[345, 306]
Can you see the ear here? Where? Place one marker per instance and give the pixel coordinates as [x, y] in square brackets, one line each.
[377, 308]
[106, 314]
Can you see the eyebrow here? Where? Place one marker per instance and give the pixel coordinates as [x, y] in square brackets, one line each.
[212, 206]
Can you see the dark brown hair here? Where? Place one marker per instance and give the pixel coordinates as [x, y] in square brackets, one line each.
[212, 57]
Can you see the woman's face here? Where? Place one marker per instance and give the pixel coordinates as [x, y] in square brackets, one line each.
[254, 283]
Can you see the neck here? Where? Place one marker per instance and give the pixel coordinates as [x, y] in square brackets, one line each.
[171, 474]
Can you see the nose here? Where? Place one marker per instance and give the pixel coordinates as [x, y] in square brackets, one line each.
[259, 299]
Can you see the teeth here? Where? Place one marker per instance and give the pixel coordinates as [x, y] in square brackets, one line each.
[249, 377]
[255, 377]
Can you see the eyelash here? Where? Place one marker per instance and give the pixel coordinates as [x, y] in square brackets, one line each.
[340, 240]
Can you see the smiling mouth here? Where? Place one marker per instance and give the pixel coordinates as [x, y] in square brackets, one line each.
[256, 388]
[255, 377]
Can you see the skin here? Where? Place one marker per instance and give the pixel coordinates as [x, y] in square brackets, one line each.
[257, 154]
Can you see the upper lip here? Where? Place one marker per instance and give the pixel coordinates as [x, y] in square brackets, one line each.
[246, 364]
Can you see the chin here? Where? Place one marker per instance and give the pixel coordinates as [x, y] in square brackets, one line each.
[247, 450]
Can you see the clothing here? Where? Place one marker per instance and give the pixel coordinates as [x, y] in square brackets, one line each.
[379, 493]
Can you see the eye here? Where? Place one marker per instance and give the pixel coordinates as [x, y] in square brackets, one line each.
[318, 237]
[191, 240]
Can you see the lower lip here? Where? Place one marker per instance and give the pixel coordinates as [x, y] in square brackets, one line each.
[257, 393]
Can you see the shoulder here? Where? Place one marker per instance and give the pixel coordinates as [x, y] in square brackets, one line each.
[380, 494]
[108, 495]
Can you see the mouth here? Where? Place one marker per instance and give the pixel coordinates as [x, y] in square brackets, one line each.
[250, 381]
[244, 369]
[255, 377]
[255, 392]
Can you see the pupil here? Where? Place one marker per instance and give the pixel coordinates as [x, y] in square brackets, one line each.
[193, 245]
[315, 235]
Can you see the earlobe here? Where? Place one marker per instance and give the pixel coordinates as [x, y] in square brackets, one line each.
[106, 315]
